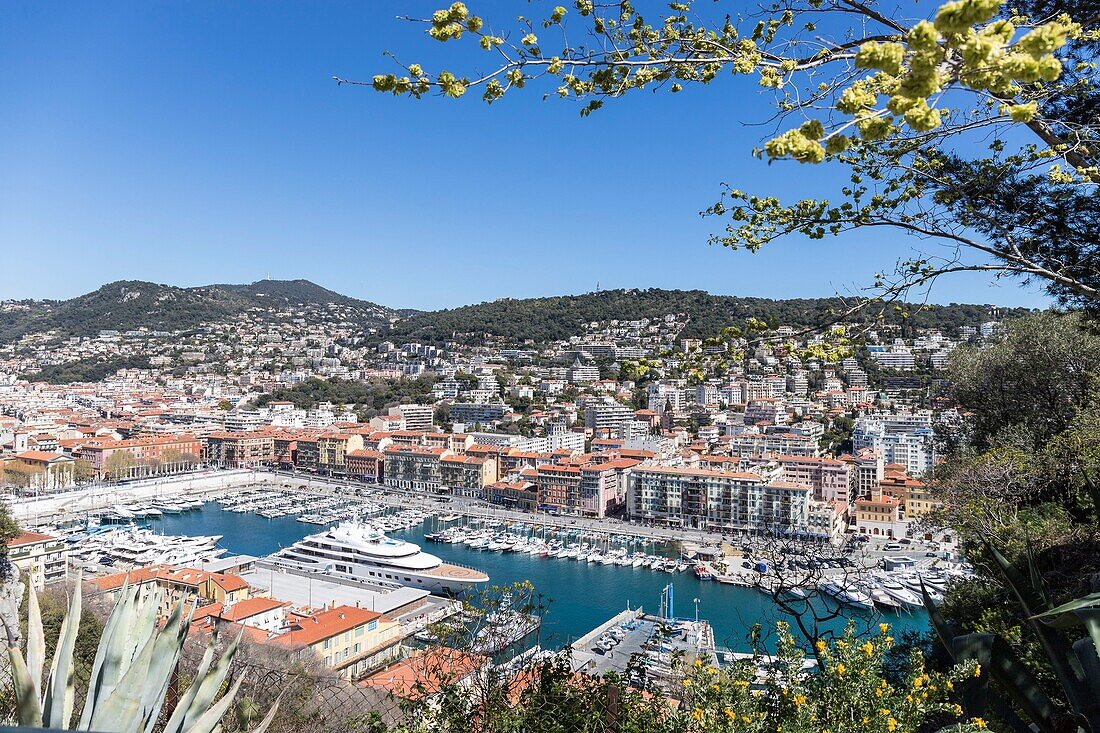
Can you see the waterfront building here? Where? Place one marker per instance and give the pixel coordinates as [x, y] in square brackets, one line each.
[367, 465]
[240, 450]
[466, 475]
[333, 448]
[697, 498]
[518, 495]
[351, 641]
[40, 557]
[413, 467]
[148, 455]
[48, 470]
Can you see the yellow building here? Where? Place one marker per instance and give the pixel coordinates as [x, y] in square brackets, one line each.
[350, 640]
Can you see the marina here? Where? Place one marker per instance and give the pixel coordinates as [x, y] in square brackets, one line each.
[609, 587]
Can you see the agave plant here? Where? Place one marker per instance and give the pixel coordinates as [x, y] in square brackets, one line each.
[130, 676]
[1076, 664]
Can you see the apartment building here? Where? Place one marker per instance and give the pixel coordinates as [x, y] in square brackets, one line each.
[333, 448]
[177, 584]
[367, 465]
[830, 478]
[519, 495]
[413, 467]
[768, 444]
[466, 475]
[40, 557]
[697, 498]
[160, 454]
[240, 450]
[767, 411]
[349, 640]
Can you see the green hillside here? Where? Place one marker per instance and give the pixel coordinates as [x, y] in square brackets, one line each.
[132, 304]
[546, 319]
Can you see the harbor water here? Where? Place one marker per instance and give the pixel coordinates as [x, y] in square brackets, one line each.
[581, 595]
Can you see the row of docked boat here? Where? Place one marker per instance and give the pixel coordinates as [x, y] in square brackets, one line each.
[149, 509]
[121, 548]
[882, 591]
[491, 540]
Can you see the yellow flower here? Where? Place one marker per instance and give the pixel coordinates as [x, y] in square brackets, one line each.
[977, 670]
[868, 649]
[883, 628]
[687, 683]
[883, 711]
[820, 645]
[866, 720]
[891, 724]
[918, 683]
[729, 713]
[840, 668]
[978, 722]
[698, 662]
[799, 700]
[715, 688]
[697, 713]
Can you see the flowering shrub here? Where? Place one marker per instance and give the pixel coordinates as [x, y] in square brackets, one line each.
[849, 692]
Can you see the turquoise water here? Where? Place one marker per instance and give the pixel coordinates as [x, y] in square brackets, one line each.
[581, 595]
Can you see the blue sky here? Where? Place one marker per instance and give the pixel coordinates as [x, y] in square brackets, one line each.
[199, 142]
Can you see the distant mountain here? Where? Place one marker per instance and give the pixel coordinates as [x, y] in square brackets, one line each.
[133, 304]
[546, 319]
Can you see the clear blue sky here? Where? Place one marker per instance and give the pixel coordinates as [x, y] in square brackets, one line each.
[198, 142]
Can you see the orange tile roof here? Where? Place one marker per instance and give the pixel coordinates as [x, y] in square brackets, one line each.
[425, 672]
[28, 538]
[310, 629]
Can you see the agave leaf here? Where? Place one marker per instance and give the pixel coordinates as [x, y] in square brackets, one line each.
[1035, 576]
[1056, 647]
[58, 706]
[939, 623]
[211, 717]
[28, 708]
[166, 654]
[120, 710]
[1030, 595]
[266, 722]
[36, 640]
[1092, 600]
[108, 656]
[210, 686]
[996, 656]
[175, 721]
[1086, 651]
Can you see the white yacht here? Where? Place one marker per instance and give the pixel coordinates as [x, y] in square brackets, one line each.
[361, 551]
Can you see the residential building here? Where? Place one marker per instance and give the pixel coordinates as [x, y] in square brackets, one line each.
[40, 557]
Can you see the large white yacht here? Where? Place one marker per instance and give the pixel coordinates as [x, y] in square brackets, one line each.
[360, 551]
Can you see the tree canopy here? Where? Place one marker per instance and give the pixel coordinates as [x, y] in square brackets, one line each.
[933, 115]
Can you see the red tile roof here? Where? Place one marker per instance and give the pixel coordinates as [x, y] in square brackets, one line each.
[325, 624]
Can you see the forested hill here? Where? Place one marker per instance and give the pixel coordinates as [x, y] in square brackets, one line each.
[131, 304]
[546, 319]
